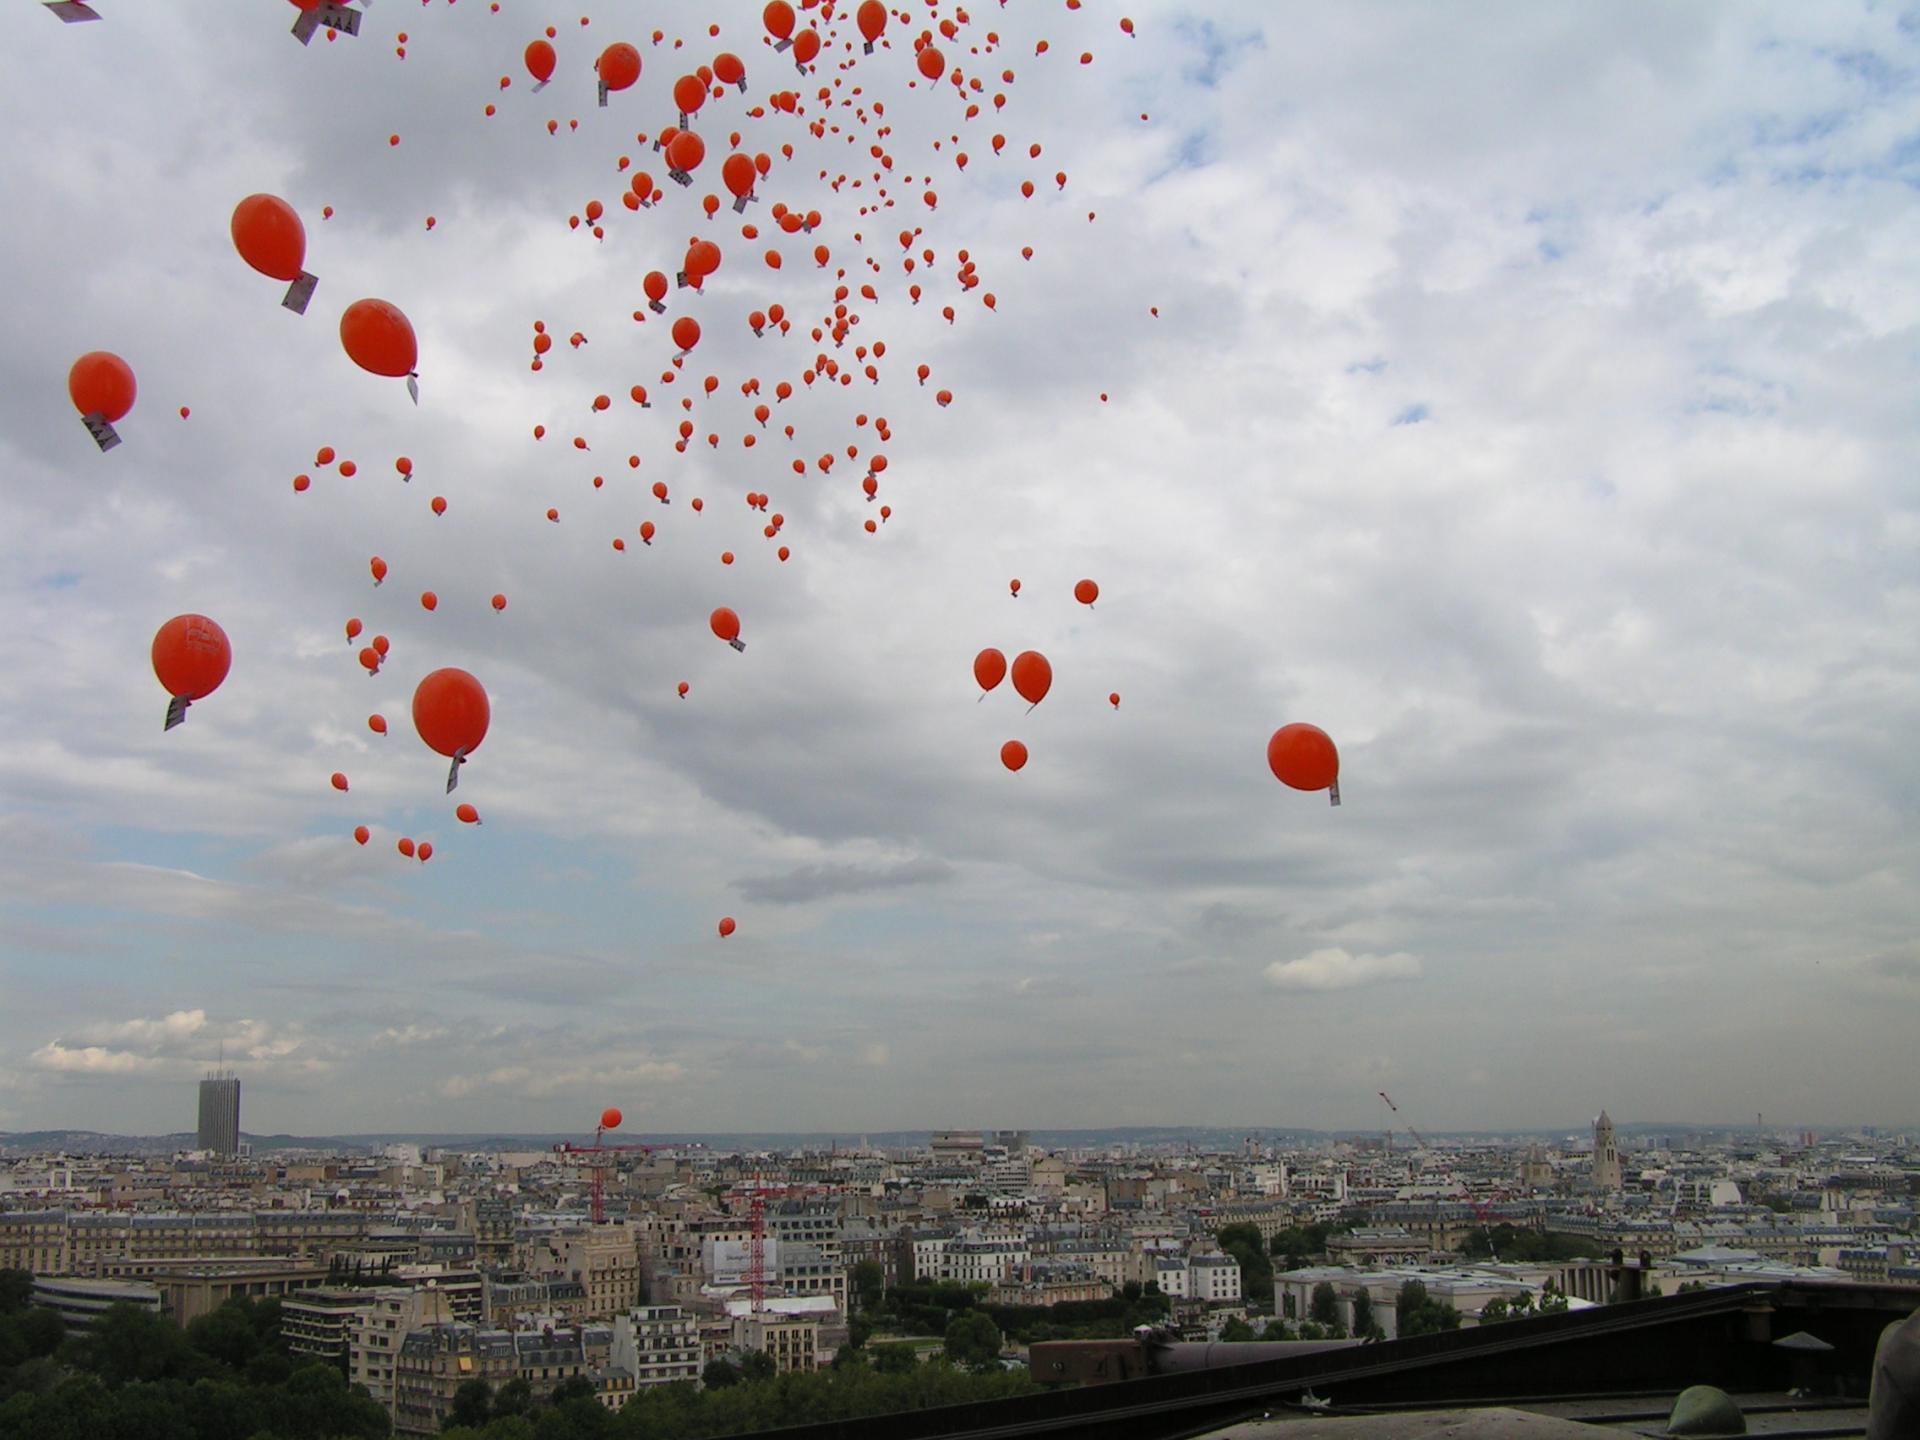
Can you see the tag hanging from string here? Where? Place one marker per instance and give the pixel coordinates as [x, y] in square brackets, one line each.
[1333, 793]
[453, 770]
[72, 12]
[176, 712]
[102, 431]
[300, 292]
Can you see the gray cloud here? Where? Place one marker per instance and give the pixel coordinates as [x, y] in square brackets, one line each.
[820, 882]
[1619, 646]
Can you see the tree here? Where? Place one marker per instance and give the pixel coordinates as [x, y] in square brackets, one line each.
[973, 1340]
[472, 1405]
[1495, 1310]
[758, 1365]
[1418, 1314]
[1325, 1308]
[895, 1360]
[719, 1373]
[1243, 1243]
[16, 1290]
[1276, 1330]
[513, 1398]
[868, 1282]
[1553, 1299]
[574, 1387]
[1237, 1329]
[128, 1344]
[1365, 1327]
[226, 1335]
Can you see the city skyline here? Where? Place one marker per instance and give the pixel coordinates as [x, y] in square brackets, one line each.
[1546, 440]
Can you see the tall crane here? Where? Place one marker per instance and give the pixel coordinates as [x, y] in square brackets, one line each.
[757, 1232]
[597, 1168]
[1418, 1138]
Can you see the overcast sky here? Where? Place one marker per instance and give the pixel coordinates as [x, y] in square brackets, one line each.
[1530, 404]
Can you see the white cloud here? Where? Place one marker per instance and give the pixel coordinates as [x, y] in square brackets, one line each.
[1335, 969]
[92, 1060]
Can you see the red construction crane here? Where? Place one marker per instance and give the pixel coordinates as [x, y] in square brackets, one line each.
[757, 1233]
[598, 1168]
[1418, 1138]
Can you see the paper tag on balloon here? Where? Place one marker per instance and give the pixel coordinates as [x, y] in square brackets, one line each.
[305, 25]
[869, 47]
[102, 431]
[176, 712]
[738, 644]
[300, 292]
[742, 82]
[413, 388]
[541, 86]
[680, 177]
[336, 16]
[72, 12]
[603, 94]
[683, 119]
[1333, 793]
[680, 277]
[740, 204]
[453, 770]
[784, 44]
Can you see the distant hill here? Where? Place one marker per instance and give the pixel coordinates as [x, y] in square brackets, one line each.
[1210, 1138]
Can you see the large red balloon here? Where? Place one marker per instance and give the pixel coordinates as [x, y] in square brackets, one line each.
[686, 332]
[610, 1118]
[379, 338]
[989, 668]
[451, 712]
[540, 58]
[619, 66]
[191, 656]
[779, 19]
[101, 383]
[1303, 756]
[725, 624]
[872, 18]
[685, 152]
[1032, 676]
[269, 236]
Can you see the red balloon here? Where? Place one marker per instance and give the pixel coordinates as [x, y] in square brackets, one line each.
[339, 781]
[101, 383]
[540, 59]
[426, 851]
[1086, 592]
[191, 656]
[726, 926]
[619, 66]
[729, 69]
[932, 63]
[378, 338]
[725, 624]
[989, 668]
[872, 19]
[689, 94]
[269, 236]
[1114, 699]
[1032, 676]
[778, 17]
[1304, 757]
[377, 724]
[451, 712]
[685, 151]
[806, 47]
[404, 846]
[686, 332]
[610, 1118]
[466, 814]
[739, 175]
[1013, 755]
[361, 834]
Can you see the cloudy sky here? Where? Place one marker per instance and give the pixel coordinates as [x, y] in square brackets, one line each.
[1530, 404]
